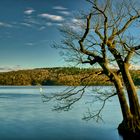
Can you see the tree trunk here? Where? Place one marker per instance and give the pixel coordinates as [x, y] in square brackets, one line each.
[131, 112]
[132, 125]
[122, 99]
[131, 90]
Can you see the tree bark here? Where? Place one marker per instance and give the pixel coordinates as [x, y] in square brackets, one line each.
[131, 90]
[132, 125]
[122, 99]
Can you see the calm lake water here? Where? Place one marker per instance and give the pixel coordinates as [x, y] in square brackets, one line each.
[24, 116]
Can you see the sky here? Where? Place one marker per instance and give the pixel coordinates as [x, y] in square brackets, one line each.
[28, 28]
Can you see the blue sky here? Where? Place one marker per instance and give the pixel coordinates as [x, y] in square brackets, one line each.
[27, 29]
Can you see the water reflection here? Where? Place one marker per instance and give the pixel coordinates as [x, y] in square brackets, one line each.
[24, 116]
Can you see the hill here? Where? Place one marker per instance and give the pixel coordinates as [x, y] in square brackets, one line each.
[59, 76]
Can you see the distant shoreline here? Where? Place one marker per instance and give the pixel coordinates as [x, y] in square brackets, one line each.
[61, 76]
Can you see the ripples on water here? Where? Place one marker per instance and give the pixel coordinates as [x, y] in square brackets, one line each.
[24, 116]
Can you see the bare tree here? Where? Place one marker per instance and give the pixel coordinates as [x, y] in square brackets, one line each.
[105, 36]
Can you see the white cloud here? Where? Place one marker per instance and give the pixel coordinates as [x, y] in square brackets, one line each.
[26, 24]
[75, 24]
[29, 44]
[49, 24]
[10, 68]
[74, 20]
[29, 11]
[52, 17]
[42, 28]
[59, 8]
[31, 22]
[3, 24]
[64, 12]
[59, 24]
[53, 24]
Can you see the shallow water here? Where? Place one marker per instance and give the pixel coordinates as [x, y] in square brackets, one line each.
[24, 116]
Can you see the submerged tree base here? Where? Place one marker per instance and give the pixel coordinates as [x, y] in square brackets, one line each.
[129, 136]
[130, 130]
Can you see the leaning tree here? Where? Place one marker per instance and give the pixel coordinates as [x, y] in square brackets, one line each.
[107, 35]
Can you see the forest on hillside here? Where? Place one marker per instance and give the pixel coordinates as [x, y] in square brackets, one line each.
[70, 76]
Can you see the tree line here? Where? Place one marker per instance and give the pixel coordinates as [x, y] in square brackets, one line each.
[70, 76]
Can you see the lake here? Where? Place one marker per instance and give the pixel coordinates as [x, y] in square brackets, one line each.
[23, 116]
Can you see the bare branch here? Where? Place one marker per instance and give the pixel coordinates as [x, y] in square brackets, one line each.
[66, 99]
[98, 33]
[97, 115]
[129, 56]
[68, 102]
[136, 48]
[82, 49]
[104, 41]
[131, 19]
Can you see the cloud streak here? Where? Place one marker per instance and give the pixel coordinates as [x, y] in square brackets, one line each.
[64, 12]
[3, 24]
[29, 11]
[59, 8]
[29, 44]
[26, 24]
[51, 17]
